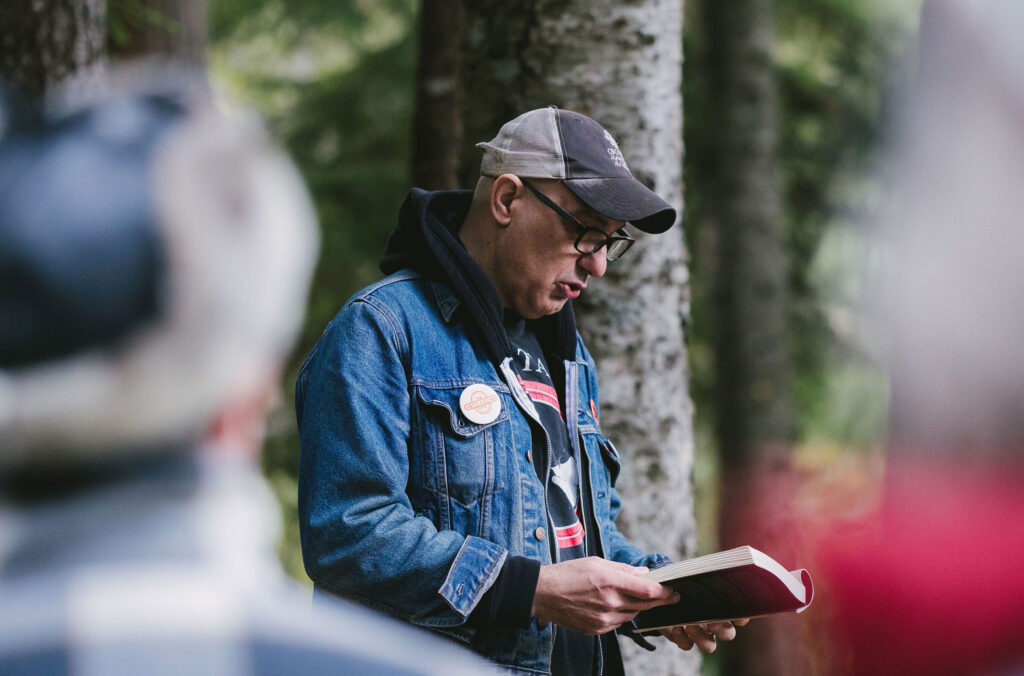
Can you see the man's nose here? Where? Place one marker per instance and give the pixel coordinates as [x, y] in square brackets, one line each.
[596, 264]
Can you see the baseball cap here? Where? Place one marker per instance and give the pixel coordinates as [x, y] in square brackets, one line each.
[571, 147]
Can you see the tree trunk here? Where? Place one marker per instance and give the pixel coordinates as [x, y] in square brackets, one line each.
[620, 63]
[437, 125]
[163, 28]
[44, 42]
[755, 423]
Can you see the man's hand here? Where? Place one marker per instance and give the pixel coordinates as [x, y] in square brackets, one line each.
[594, 596]
[704, 636]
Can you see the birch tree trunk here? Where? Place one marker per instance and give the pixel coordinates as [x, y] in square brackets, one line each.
[620, 63]
[755, 424]
[44, 42]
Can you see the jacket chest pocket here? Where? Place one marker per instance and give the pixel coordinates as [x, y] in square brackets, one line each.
[458, 457]
[604, 458]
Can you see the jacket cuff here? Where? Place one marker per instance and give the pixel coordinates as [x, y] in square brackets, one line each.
[510, 599]
[473, 572]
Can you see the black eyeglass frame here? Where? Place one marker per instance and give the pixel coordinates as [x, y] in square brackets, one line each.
[611, 241]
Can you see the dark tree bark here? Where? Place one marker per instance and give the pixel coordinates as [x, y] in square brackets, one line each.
[163, 28]
[437, 125]
[620, 63]
[44, 42]
[755, 426]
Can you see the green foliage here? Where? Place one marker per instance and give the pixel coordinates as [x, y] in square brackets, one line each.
[835, 62]
[292, 21]
[336, 83]
[125, 17]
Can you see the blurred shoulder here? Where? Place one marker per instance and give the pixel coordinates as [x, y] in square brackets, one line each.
[208, 625]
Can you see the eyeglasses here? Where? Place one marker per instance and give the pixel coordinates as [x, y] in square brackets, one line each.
[590, 240]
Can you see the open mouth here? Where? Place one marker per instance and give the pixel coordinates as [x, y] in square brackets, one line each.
[570, 289]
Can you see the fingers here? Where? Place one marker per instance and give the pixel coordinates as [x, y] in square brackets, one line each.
[653, 589]
[631, 603]
[635, 570]
[723, 631]
[592, 595]
[741, 623]
[678, 636]
[631, 592]
[642, 591]
[691, 635]
[705, 640]
[704, 636]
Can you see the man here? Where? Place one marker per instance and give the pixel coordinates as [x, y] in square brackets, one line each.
[155, 259]
[453, 468]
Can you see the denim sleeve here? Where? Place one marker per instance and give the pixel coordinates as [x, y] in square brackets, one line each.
[361, 537]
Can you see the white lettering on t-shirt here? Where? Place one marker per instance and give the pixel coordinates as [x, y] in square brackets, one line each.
[537, 363]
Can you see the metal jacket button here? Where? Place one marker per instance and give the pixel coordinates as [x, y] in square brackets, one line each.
[540, 534]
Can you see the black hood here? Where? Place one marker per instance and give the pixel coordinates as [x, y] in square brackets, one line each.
[426, 240]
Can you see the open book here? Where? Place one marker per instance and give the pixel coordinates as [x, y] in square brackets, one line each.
[733, 584]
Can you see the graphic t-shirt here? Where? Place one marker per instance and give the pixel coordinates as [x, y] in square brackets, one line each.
[574, 653]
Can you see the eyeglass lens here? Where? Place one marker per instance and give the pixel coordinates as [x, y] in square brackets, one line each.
[618, 247]
[592, 240]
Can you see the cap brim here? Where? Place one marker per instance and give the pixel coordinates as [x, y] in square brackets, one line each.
[623, 198]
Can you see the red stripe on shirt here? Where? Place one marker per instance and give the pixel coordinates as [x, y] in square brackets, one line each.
[541, 393]
[570, 536]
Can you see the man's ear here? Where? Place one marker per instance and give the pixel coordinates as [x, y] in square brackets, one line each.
[504, 191]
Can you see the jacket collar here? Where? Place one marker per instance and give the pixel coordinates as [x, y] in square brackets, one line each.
[447, 300]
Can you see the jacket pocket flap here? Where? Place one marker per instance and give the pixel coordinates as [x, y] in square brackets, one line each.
[609, 455]
[444, 401]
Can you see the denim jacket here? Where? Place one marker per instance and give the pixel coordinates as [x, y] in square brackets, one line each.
[407, 506]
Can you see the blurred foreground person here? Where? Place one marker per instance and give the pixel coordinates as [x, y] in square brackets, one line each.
[154, 263]
[933, 584]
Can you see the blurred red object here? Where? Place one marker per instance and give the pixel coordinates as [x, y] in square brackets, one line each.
[934, 583]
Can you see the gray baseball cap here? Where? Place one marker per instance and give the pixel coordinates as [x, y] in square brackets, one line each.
[560, 144]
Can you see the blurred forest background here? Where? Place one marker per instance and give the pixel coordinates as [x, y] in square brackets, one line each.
[785, 104]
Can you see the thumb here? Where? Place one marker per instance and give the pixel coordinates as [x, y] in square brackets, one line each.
[625, 567]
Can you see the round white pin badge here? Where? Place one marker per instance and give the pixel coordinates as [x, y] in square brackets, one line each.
[480, 404]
